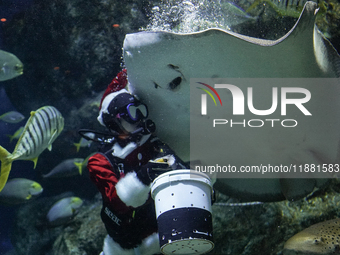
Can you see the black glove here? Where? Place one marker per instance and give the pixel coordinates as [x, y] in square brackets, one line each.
[155, 168]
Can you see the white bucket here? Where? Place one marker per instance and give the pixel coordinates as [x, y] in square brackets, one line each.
[183, 209]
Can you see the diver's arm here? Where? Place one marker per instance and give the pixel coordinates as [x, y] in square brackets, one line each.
[132, 190]
[104, 177]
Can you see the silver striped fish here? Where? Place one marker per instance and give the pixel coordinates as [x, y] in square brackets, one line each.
[40, 131]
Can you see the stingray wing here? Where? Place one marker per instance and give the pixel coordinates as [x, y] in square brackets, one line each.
[161, 64]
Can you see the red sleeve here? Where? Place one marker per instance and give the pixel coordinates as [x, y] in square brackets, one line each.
[103, 176]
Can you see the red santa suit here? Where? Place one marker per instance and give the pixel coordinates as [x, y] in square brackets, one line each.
[121, 175]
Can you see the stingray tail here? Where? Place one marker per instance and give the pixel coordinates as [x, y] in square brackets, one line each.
[6, 165]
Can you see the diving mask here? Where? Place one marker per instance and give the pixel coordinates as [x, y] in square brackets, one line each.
[133, 112]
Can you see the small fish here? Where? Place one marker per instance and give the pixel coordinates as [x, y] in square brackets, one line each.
[83, 142]
[12, 117]
[10, 66]
[95, 103]
[40, 131]
[322, 238]
[16, 134]
[68, 167]
[19, 190]
[64, 210]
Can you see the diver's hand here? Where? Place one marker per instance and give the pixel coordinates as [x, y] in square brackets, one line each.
[155, 168]
[168, 159]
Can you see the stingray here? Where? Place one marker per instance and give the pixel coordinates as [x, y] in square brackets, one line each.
[161, 64]
[318, 239]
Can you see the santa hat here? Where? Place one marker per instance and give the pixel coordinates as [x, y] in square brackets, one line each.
[116, 87]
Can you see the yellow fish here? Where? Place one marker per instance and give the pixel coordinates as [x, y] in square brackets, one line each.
[19, 190]
[40, 131]
[68, 167]
[83, 142]
[16, 134]
[64, 210]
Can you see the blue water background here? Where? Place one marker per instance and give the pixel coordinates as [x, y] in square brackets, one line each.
[9, 8]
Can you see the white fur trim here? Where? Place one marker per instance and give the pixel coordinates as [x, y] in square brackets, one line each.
[132, 191]
[150, 245]
[123, 152]
[113, 248]
[106, 102]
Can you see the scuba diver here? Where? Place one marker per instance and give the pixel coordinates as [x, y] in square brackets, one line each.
[123, 170]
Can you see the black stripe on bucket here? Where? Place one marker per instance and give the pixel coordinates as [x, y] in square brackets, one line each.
[185, 231]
